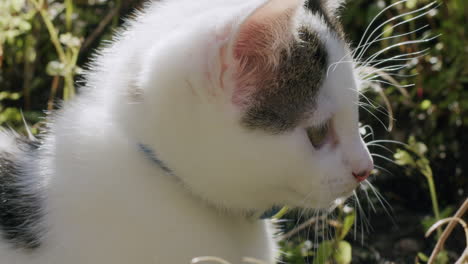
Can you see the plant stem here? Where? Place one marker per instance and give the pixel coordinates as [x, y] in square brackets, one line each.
[53, 91]
[68, 14]
[69, 63]
[52, 31]
[281, 213]
[432, 190]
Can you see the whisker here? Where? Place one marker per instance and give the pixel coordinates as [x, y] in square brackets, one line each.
[371, 132]
[382, 201]
[382, 168]
[389, 68]
[359, 46]
[316, 235]
[363, 219]
[378, 38]
[391, 59]
[389, 110]
[368, 100]
[358, 63]
[380, 146]
[375, 18]
[408, 55]
[383, 157]
[402, 57]
[355, 218]
[304, 203]
[378, 109]
[363, 187]
[423, 40]
[378, 119]
[361, 53]
[392, 84]
[387, 141]
[400, 75]
[336, 63]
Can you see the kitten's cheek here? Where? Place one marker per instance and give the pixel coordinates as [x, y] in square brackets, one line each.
[333, 137]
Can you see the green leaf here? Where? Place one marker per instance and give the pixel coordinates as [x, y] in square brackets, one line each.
[8, 95]
[347, 224]
[10, 114]
[427, 222]
[423, 257]
[324, 252]
[343, 252]
[447, 212]
[442, 257]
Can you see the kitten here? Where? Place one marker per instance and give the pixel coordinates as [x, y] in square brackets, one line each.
[198, 115]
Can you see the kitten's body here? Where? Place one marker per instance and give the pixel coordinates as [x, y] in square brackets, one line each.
[101, 199]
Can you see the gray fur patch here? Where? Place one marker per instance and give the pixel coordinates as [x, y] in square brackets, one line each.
[284, 100]
[19, 209]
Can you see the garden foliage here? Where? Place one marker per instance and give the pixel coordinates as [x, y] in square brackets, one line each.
[44, 44]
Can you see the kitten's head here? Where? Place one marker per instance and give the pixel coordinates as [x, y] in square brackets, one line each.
[248, 112]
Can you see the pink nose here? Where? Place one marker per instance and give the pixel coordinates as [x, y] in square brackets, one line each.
[361, 176]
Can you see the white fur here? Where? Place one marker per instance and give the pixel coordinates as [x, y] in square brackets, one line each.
[107, 203]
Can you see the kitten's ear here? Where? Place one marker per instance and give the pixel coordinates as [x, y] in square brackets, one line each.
[266, 28]
[257, 45]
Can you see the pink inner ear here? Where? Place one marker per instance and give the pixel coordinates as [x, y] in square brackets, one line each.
[266, 28]
[258, 45]
[254, 39]
[273, 9]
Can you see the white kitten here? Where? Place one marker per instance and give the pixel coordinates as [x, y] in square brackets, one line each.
[199, 114]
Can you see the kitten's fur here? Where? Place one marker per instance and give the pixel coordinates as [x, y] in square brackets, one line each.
[219, 94]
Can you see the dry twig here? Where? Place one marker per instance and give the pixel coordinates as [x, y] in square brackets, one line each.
[452, 222]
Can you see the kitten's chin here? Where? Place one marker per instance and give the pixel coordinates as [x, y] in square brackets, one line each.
[327, 201]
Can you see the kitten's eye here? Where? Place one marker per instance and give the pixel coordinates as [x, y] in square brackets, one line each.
[318, 135]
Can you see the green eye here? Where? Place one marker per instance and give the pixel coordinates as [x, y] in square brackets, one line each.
[318, 135]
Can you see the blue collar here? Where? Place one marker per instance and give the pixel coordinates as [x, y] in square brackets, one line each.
[151, 156]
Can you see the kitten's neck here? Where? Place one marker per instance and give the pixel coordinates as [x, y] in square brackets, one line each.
[151, 156]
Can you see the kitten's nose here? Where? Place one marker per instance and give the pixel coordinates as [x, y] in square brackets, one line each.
[362, 175]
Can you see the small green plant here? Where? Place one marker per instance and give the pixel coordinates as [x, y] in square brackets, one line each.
[20, 22]
[334, 250]
[14, 21]
[414, 157]
[337, 250]
[67, 47]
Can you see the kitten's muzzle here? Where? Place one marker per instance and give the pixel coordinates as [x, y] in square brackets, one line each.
[362, 175]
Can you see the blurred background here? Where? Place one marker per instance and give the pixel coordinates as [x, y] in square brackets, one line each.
[414, 114]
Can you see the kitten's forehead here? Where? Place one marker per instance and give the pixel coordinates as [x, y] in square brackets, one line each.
[286, 99]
